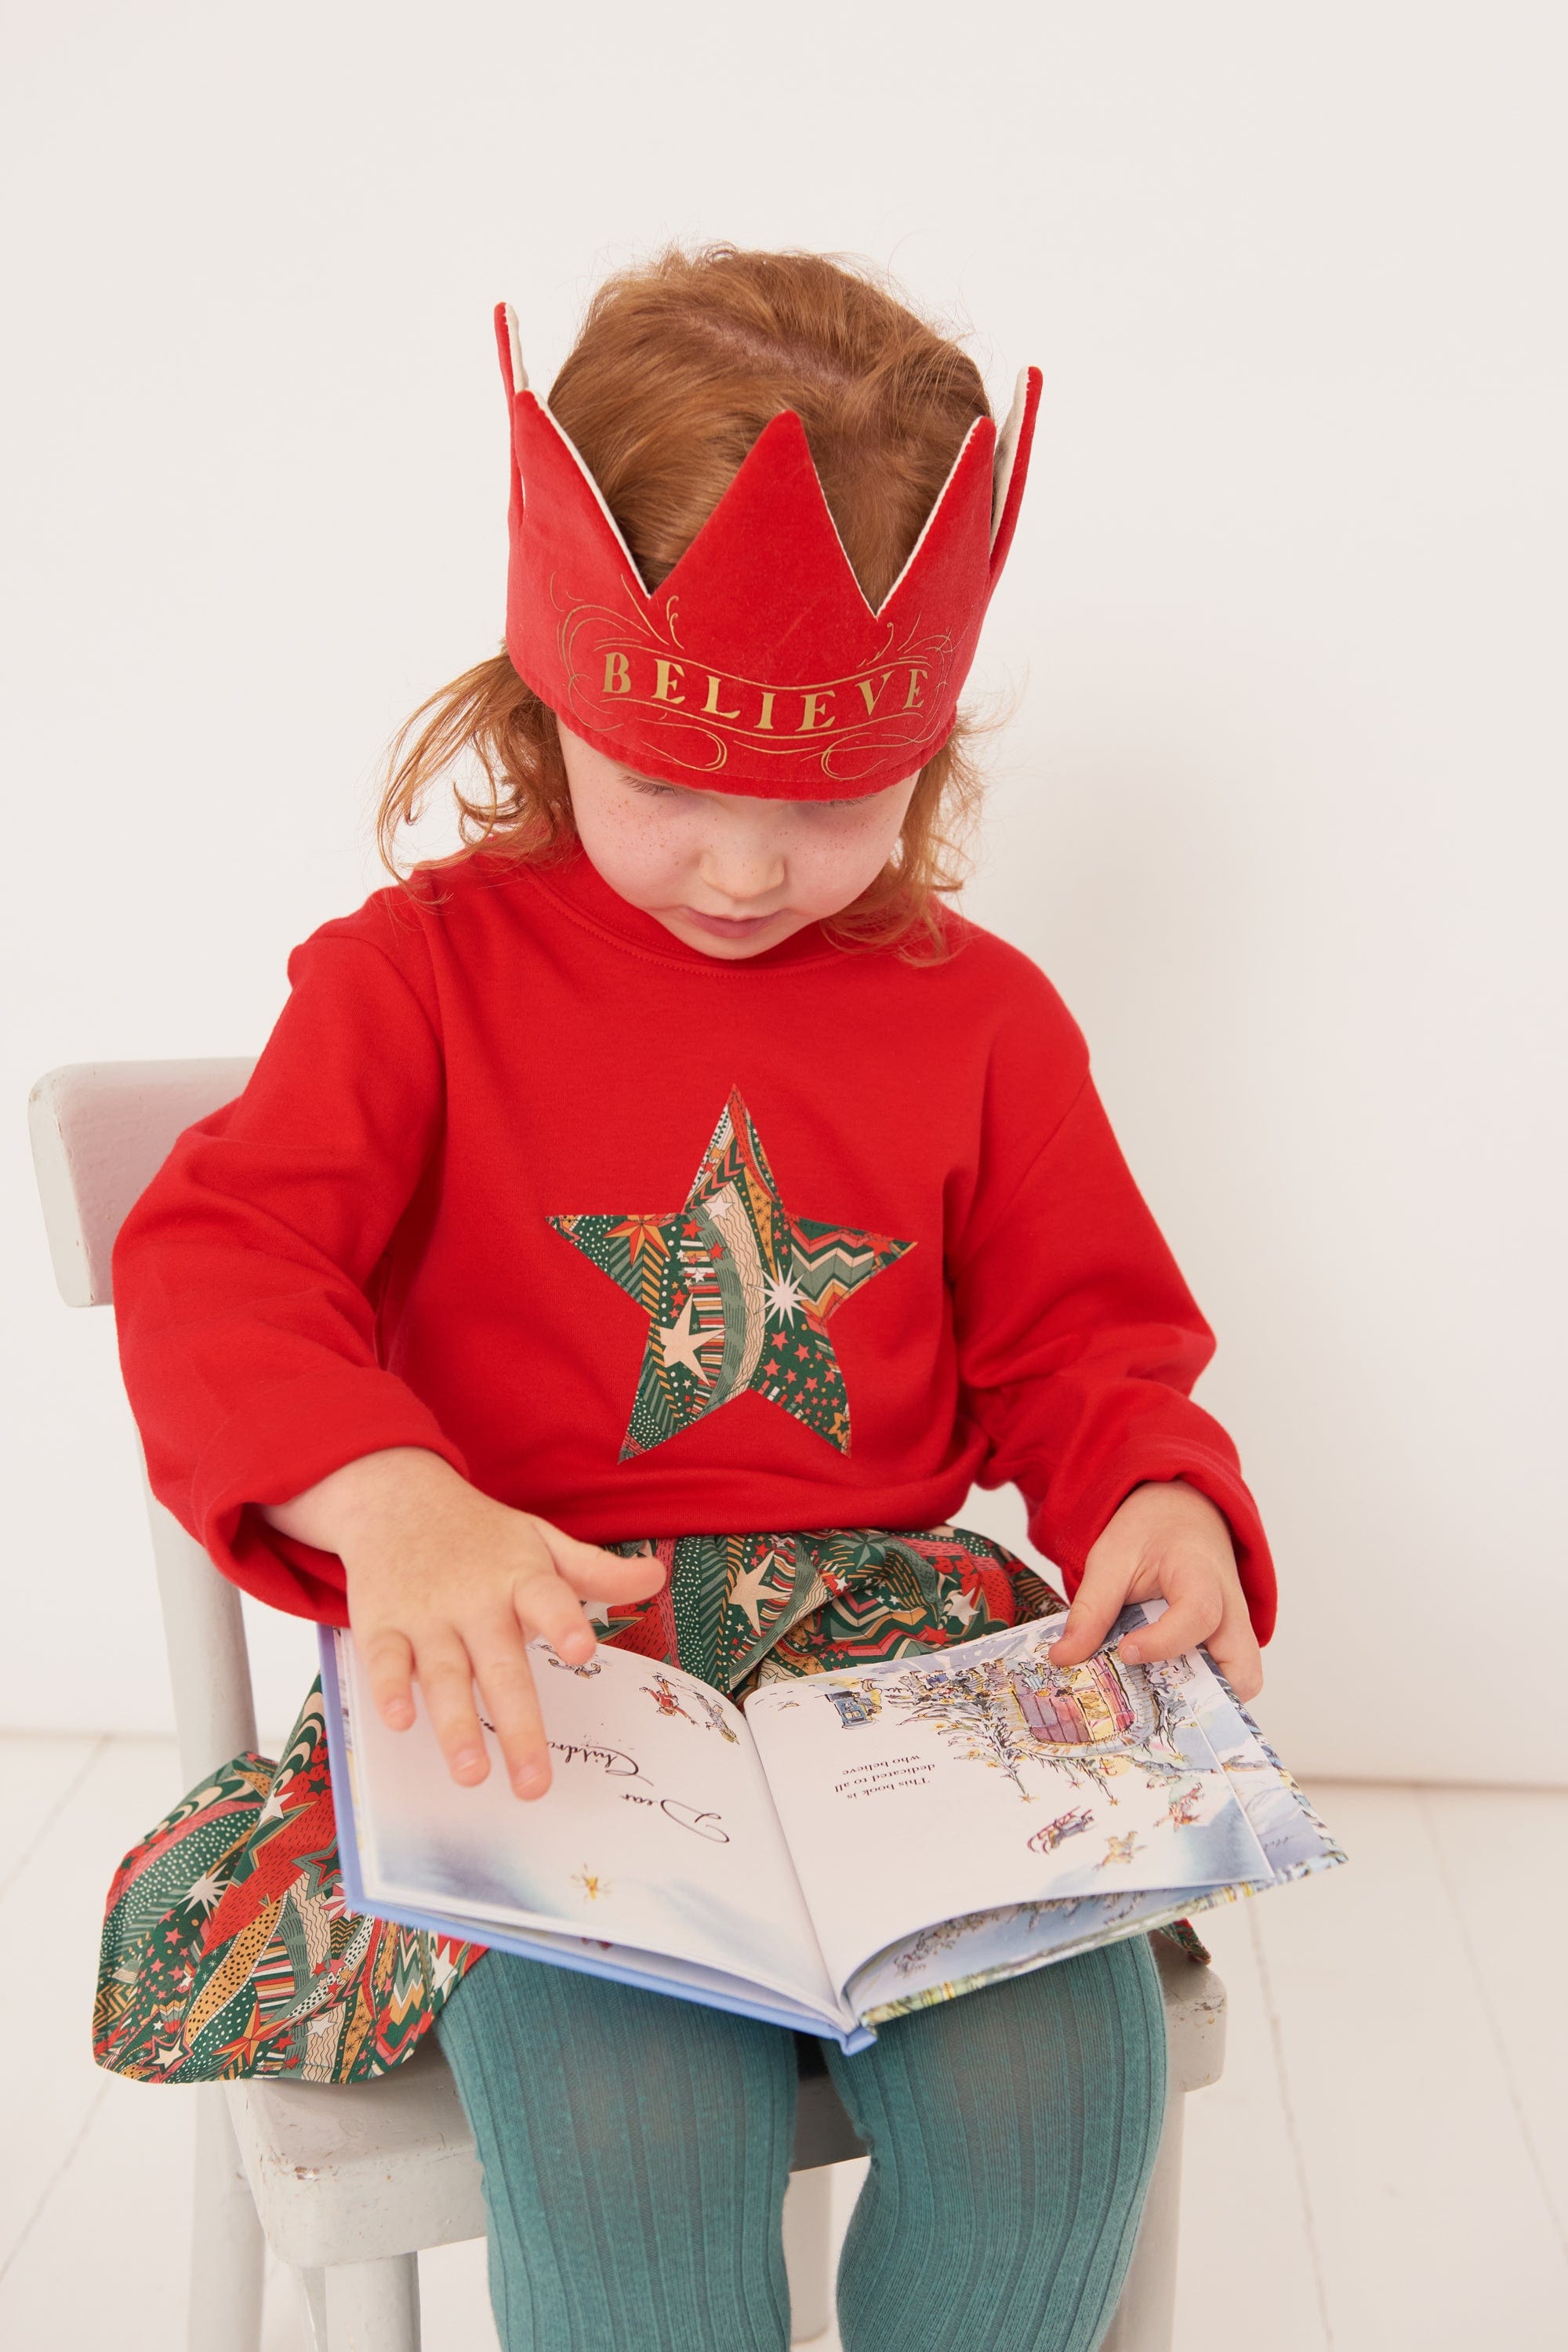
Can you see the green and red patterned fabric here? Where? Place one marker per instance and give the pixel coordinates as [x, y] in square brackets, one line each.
[739, 1610]
[737, 1292]
[227, 1948]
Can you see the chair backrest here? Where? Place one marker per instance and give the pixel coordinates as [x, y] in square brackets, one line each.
[100, 1131]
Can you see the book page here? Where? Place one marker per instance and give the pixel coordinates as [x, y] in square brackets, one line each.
[956, 1954]
[657, 1831]
[926, 1792]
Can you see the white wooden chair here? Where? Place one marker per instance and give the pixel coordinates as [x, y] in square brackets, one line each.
[347, 2183]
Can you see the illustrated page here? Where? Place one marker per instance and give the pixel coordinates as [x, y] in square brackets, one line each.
[954, 1954]
[657, 1829]
[926, 1790]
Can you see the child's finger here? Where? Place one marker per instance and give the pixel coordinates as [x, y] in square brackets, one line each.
[388, 1658]
[1235, 1651]
[545, 1604]
[511, 1702]
[446, 1675]
[1195, 1607]
[598, 1574]
[1096, 1607]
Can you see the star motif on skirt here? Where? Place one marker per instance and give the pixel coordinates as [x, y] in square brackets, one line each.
[251, 2043]
[737, 1293]
[768, 1580]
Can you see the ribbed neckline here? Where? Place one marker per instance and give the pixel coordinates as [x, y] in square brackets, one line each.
[578, 882]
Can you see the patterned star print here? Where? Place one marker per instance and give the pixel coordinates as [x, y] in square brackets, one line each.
[737, 1293]
[761, 1588]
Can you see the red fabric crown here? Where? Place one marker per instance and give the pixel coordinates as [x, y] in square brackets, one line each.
[758, 665]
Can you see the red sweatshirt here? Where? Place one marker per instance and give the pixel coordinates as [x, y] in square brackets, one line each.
[654, 1244]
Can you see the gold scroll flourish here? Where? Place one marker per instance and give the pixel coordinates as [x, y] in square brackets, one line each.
[699, 739]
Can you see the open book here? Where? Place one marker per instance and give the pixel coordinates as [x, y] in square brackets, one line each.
[854, 1845]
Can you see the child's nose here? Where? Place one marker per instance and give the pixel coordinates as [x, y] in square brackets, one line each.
[740, 874]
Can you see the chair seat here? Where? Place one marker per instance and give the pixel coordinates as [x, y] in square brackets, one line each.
[359, 2171]
[353, 2172]
[1194, 2017]
[356, 2172]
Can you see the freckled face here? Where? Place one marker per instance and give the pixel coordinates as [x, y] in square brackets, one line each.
[728, 872]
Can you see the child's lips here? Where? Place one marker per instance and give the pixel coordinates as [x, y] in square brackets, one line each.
[727, 927]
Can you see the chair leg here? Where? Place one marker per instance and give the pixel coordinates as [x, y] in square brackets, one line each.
[1145, 2317]
[373, 2306]
[311, 2296]
[807, 2213]
[226, 2246]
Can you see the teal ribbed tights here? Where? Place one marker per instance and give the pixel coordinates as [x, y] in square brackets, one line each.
[636, 2150]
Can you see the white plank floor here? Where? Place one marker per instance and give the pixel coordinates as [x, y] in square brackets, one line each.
[1384, 2165]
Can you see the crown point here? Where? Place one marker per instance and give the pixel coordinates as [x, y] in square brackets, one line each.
[509, 347]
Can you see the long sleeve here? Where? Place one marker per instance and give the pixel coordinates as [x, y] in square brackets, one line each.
[1079, 1343]
[245, 1277]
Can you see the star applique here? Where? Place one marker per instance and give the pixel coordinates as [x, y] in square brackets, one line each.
[737, 1292]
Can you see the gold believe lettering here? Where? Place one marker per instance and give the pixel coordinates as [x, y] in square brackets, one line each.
[647, 677]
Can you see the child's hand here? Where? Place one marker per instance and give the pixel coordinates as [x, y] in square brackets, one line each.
[447, 1586]
[1168, 1540]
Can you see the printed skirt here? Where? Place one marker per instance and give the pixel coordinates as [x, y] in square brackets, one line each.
[226, 1946]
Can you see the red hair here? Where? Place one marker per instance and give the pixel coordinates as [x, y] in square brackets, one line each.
[715, 343]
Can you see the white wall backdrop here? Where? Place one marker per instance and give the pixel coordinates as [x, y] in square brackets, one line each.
[1279, 803]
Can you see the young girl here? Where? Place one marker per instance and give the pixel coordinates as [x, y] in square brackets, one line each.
[671, 1204]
